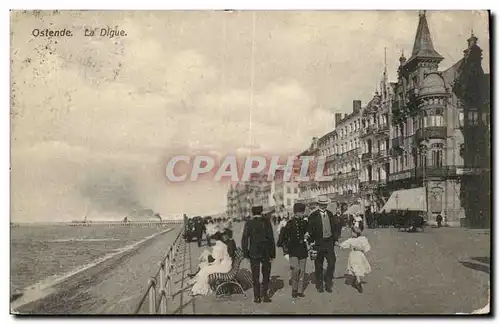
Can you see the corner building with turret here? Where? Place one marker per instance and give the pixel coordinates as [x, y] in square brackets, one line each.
[432, 123]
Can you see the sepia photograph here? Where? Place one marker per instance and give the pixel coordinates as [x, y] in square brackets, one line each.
[250, 162]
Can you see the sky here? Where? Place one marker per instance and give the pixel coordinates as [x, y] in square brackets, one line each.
[94, 120]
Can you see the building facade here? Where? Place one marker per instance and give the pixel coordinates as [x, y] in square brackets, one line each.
[375, 147]
[426, 132]
[341, 150]
[430, 129]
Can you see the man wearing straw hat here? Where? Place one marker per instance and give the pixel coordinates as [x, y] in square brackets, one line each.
[324, 231]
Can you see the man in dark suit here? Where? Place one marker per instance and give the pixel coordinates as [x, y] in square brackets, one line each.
[257, 243]
[324, 229]
[199, 228]
[292, 240]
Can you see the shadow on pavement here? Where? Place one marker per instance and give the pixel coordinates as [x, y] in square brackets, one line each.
[244, 277]
[276, 284]
[476, 266]
[309, 279]
[349, 280]
[482, 260]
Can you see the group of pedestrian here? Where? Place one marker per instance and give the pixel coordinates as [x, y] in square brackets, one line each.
[314, 236]
[301, 237]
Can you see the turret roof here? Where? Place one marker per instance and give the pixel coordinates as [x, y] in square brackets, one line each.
[423, 47]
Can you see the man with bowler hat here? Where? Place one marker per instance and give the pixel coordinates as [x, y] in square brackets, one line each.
[324, 231]
[292, 240]
[257, 243]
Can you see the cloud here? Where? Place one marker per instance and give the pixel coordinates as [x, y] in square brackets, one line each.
[179, 83]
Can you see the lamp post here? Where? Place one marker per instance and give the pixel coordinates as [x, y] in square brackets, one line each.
[422, 151]
[461, 123]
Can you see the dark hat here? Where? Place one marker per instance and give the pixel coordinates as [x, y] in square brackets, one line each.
[299, 208]
[257, 210]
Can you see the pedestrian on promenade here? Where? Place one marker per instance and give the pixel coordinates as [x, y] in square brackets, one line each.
[357, 265]
[199, 228]
[439, 220]
[281, 225]
[219, 261]
[227, 238]
[324, 230]
[292, 241]
[258, 245]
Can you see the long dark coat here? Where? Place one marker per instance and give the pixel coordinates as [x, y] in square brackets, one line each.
[257, 241]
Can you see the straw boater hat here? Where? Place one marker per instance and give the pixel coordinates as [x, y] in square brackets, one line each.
[323, 200]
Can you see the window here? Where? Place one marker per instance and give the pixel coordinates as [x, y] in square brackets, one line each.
[350, 145]
[288, 202]
[288, 190]
[414, 81]
[406, 159]
[437, 157]
[423, 160]
[295, 190]
[473, 118]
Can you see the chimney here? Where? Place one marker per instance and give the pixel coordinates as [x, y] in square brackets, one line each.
[356, 106]
[338, 117]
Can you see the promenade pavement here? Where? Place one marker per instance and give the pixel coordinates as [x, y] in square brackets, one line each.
[437, 271]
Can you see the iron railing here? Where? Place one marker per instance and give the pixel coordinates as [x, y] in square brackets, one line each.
[159, 290]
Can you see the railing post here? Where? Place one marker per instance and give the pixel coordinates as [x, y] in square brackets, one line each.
[152, 296]
[162, 274]
[163, 301]
[169, 273]
[163, 283]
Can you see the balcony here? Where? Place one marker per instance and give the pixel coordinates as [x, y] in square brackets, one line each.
[383, 129]
[368, 185]
[381, 154]
[400, 175]
[398, 141]
[438, 132]
[353, 152]
[436, 172]
[370, 129]
[331, 157]
[366, 156]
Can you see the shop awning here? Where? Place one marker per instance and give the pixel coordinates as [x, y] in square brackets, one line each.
[355, 210]
[409, 199]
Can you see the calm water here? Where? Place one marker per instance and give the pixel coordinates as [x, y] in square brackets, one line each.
[42, 252]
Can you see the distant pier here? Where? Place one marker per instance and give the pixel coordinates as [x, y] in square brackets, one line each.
[121, 223]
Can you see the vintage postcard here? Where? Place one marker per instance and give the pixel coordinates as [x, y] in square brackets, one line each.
[250, 162]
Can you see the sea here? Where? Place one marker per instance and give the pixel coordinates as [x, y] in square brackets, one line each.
[42, 254]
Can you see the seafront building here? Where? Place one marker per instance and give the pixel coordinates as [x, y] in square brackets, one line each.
[430, 129]
[341, 149]
[275, 196]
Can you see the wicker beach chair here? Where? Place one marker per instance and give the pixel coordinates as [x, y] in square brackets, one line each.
[221, 280]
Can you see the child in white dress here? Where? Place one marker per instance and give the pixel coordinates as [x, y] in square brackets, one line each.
[357, 265]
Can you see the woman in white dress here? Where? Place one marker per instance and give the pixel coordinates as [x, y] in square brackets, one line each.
[357, 265]
[219, 262]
